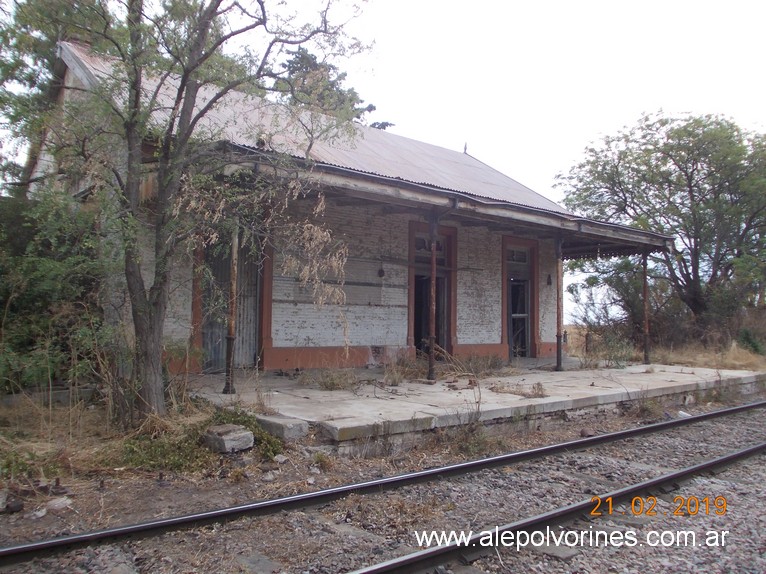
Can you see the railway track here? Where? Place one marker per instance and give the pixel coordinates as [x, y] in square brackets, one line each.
[560, 454]
[485, 540]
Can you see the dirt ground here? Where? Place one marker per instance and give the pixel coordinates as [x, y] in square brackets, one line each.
[92, 495]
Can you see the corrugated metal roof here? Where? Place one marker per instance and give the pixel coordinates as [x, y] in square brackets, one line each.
[242, 119]
[381, 153]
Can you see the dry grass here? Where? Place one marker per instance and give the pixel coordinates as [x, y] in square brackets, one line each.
[698, 356]
[40, 440]
[330, 379]
[691, 355]
[45, 440]
[535, 391]
[447, 367]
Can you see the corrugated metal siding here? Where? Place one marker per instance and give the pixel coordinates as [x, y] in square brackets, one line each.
[214, 327]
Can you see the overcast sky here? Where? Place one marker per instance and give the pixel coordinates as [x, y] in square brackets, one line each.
[528, 85]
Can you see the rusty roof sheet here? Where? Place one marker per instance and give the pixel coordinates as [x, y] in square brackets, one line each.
[243, 119]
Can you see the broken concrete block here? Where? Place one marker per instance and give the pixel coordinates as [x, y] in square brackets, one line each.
[286, 428]
[228, 438]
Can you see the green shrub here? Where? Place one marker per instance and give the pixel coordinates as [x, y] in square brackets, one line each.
[748, 340]
[167, 452]
[184, 451]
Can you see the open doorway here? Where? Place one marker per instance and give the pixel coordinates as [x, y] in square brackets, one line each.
[519, 305]
[518, 317]
[422, 309]
[420, 287]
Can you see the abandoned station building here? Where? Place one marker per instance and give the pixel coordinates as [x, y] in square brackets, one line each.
[498, 266]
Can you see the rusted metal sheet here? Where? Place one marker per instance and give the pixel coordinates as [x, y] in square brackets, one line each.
[214, 328]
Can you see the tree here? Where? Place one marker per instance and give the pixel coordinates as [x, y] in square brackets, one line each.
[50, 327]
[700, 179]
[28, 38]
[173, 63]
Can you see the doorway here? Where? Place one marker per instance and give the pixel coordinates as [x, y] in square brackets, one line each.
[422, 305]
[518, 317]
[519, 303]
[215, 310]
[419, 298]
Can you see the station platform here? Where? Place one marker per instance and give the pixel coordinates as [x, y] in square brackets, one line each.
[531, 393]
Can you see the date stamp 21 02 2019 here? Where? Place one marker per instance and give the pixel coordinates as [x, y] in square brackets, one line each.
[647, 506]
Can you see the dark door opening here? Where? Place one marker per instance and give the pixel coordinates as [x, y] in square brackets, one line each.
[422, 312]
[215, 309]
[518, 317]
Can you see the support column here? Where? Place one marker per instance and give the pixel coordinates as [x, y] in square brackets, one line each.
[434, 229]
[231, 336]
[646, 309]
[559, 306]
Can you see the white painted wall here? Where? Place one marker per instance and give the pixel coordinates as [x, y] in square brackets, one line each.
[547, 293]
[479, 286]
[376, 309]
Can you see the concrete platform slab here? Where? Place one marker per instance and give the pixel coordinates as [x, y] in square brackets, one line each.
[372, 410]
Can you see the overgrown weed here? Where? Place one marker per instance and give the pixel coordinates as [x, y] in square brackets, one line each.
[330, 379]
[534, 391]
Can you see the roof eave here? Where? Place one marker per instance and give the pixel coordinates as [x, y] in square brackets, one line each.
[582, 237]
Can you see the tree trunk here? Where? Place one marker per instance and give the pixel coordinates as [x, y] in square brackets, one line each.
[148, 326]
[148, 332]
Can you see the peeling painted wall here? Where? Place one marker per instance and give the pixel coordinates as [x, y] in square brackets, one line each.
[479, 286]
[547, 293]
[376, 307]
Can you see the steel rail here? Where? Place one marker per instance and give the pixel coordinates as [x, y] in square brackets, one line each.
[27, 551]
[431, 557]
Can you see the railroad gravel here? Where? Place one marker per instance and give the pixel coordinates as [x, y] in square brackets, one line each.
[663, 540]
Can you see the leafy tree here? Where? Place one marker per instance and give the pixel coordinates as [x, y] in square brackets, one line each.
[700, 179]
[49, 278]
[28, 38]
[314, 97]
[174, 64]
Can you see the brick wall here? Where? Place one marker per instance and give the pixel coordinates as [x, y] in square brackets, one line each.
[376, 307]
[547, 295]
[479, 286]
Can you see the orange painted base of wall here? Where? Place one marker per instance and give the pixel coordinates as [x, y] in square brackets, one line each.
[289, 358]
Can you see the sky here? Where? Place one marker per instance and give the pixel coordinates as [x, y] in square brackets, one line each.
[528, 85]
